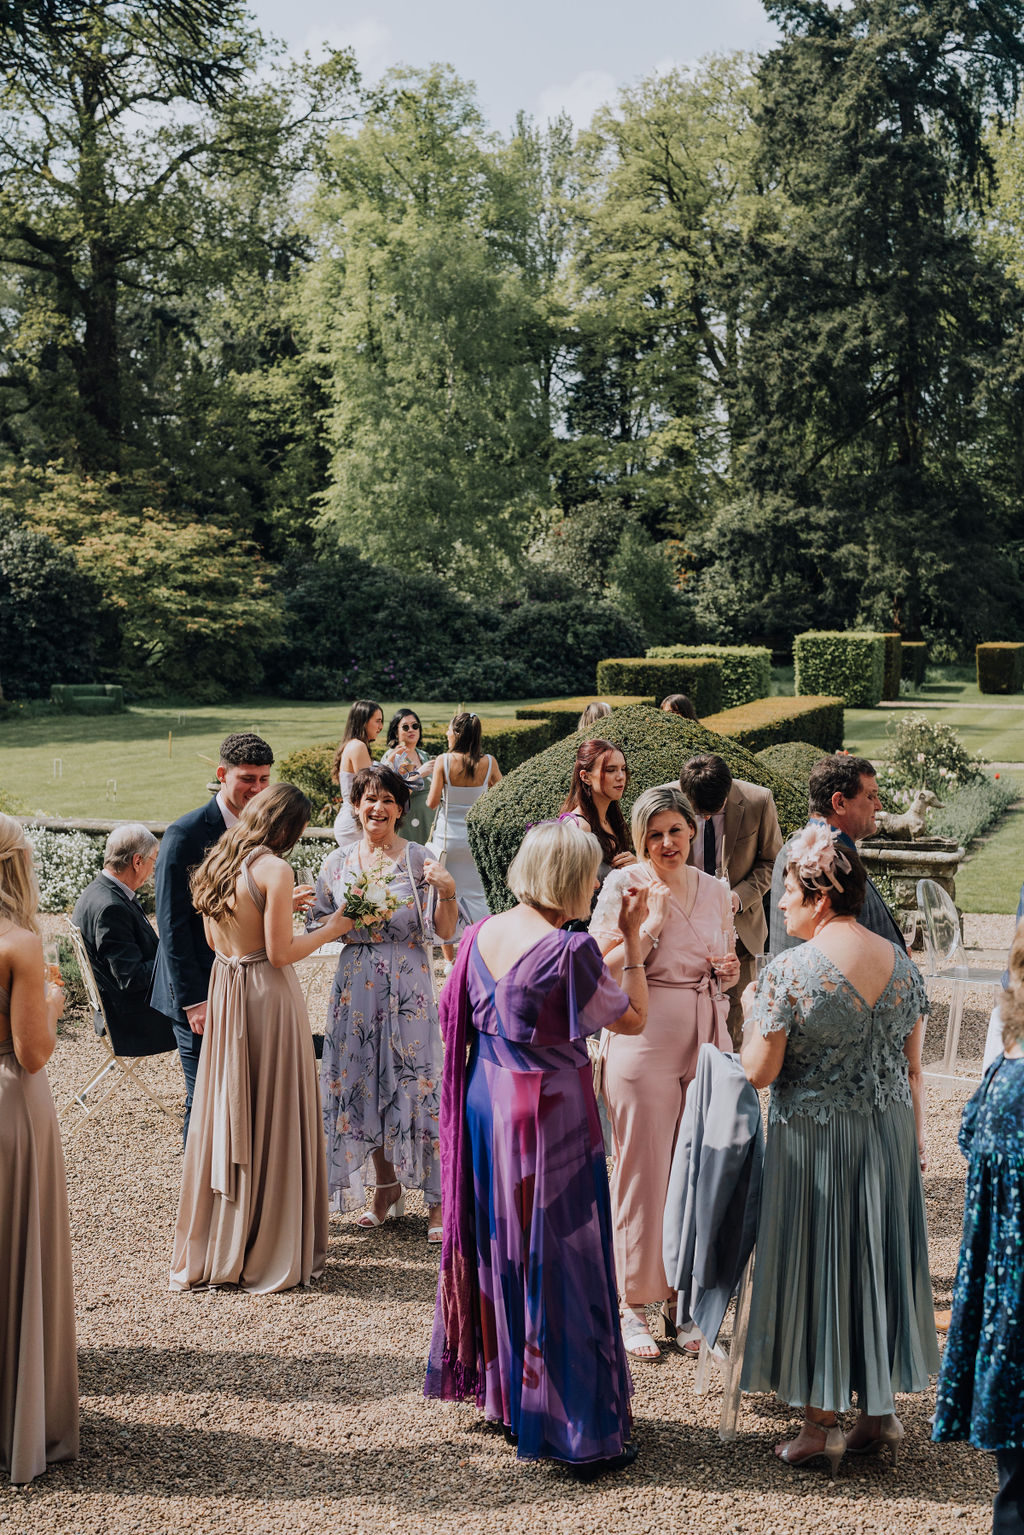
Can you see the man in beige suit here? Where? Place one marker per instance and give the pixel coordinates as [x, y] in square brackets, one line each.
[737, 836]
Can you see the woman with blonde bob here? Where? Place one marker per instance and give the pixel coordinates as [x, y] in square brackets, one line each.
[685, 949]
[526, 1321]
[253, 1206]
[38, 1368]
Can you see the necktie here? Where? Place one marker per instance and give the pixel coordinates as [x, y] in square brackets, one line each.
[710, 855]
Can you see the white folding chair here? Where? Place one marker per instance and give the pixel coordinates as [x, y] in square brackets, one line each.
[947, 963]
[124, 1068]
[729, 1365]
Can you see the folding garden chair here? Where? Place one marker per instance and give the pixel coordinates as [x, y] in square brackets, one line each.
[947, 963]
[121, 1069]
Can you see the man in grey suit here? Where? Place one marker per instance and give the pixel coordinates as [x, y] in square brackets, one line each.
[182, 975]
[121, 944]
[738, 837]
[843, 792]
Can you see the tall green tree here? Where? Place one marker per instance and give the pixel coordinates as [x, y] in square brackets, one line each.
[875, 316]
[421, 321]
[118, 118]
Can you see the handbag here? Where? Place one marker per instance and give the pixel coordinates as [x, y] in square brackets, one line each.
[597, 1049]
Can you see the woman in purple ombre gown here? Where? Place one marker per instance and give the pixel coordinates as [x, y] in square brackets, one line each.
[527, 1319]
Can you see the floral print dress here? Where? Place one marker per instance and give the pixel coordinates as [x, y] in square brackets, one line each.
[380, 1076]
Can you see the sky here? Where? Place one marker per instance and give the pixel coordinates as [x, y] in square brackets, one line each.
[538, 56]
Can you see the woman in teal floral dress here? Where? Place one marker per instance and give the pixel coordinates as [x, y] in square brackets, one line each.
[380, 1076]
[981, 1387]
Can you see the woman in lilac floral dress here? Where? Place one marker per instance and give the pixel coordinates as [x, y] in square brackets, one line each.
[526, 1321]
[380, 1077]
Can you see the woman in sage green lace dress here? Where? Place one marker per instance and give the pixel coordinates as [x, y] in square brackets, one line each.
[842, 1300]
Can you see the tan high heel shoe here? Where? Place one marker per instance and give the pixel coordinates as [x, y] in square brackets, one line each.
[833, 1449]
[890, 1433]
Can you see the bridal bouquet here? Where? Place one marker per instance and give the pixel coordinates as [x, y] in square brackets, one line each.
[368, 899]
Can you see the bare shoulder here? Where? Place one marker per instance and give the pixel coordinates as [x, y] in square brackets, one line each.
[20, 946]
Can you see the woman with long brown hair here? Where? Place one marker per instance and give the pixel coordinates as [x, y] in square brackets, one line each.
[364, 724]
[38, 1368]
[253, 1206]
[599, 779]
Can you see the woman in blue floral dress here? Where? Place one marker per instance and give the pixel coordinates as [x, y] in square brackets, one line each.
[981, 1387]
[380, 1076]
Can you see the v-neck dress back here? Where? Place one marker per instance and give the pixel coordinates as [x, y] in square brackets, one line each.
[842, 1298]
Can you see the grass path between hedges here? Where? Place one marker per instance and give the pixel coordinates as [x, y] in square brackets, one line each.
[990, 877]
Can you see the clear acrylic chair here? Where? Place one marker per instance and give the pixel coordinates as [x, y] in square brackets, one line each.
[122, 1069]
[947, 962]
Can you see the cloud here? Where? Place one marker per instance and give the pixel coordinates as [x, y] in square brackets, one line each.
[581, 97]
[371, 41]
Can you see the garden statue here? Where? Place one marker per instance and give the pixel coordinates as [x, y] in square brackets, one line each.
[913, 821]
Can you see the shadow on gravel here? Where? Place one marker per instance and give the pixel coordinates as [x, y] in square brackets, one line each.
[343, 1380]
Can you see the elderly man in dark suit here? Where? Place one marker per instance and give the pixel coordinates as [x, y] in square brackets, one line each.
[121, 943]
[185, 959]
[737, 836]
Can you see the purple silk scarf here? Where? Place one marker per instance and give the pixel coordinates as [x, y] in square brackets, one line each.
[461, 1372]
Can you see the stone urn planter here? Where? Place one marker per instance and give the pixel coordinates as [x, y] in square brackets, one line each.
[905, 862]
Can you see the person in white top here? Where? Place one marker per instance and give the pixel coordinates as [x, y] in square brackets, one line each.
[364, 724]
[461, 775]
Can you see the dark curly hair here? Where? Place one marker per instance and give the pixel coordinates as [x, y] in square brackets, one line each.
[245, 748]
[384, 778]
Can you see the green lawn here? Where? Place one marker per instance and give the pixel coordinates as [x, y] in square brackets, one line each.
[120, 766]
[996, 731]
[990, 878]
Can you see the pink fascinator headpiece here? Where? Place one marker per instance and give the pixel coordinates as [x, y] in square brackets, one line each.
[816, 856]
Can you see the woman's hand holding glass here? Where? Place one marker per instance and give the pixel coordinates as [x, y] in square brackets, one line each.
[724, 962]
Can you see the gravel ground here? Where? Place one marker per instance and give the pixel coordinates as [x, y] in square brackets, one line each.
[222, 1412]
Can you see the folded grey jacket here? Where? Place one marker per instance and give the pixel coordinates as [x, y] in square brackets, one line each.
[713, 1192]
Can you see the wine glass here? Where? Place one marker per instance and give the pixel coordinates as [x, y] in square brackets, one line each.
[51, 962]
[909, 918]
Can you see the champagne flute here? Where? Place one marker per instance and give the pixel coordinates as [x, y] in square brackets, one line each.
[909, 917]
[51, 962]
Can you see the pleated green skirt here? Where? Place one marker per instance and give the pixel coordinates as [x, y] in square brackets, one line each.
[842, 1297]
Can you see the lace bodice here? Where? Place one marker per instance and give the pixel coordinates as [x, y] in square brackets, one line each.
[841, 1054]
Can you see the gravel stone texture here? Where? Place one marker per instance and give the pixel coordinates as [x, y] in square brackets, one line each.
[221, 1412]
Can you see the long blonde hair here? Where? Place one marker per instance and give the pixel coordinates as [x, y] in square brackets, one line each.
[1011, 1008]
[274, 819]
[19, 889]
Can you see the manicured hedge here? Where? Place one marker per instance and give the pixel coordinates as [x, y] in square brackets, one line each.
[792, 760]
[511, 742]
[892, 666]
[769, 721]
[563, 714]
[655, 746]
[746, 669]
[913, 661]
[1000, 667]
[699, 677]
[849, 665]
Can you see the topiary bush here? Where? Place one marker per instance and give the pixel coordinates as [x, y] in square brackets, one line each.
[309, 769]
[792, 760]
[892, 665]
[699, 677]
[913, 661]
[746, 669]
[1000, 667]
[768, 721]
[849, 665]
[655, 746]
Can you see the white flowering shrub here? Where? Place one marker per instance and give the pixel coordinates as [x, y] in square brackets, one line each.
[926, 755]
[66, 861]
[310, 855]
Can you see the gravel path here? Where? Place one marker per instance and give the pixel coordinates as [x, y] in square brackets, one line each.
[225, 1413]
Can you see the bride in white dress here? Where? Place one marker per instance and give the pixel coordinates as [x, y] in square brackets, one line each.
[461, 775]
[364, 724]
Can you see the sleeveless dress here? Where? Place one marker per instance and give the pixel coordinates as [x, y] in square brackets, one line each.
[253, 1205]
[842, 1296]
[347, 830]
[380, 1075]
[450, 833]
[38, 1357]
[416, 822]
[646, 1075]
[553, 1365]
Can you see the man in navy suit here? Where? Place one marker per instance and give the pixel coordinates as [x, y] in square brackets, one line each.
[184, 961]
[121, 943]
